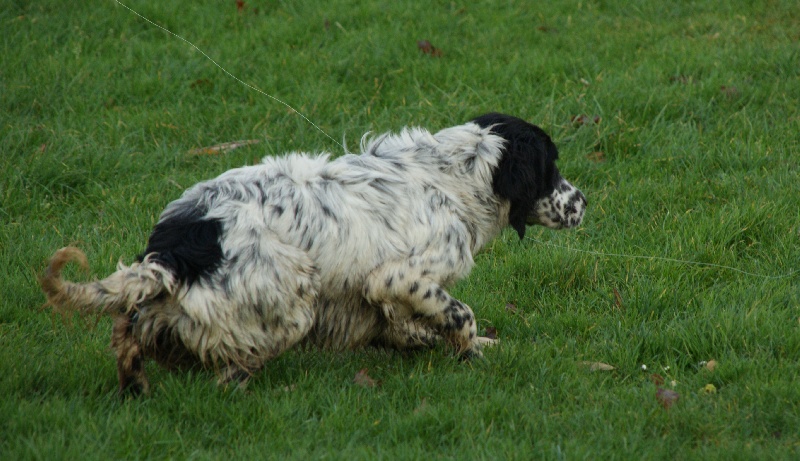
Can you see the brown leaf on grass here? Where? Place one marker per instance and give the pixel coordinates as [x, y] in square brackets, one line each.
[618, 299]
[711, 365]
[729, 92]
[657, 379]
[240, 5]
[596, 156]
[598, 366]
[201, 83]
[224, 147]
[491, 333]
[544, 28]
[364, 380]
[510, 307]
[666, 397]
[426, 47]
[583, 119]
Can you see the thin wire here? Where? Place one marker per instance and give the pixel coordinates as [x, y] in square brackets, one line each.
[672, 260]
[591, 252]
[230, 74]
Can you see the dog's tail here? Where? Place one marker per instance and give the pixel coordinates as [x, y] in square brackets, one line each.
[120, 291]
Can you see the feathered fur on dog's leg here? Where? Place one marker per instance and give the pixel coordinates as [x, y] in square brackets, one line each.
[407, 335]
[118, 294]
[130, 360]
[400, 284]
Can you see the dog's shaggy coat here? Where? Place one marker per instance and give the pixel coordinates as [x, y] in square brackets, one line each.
[336, 253]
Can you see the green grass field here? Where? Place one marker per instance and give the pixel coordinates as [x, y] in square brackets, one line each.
[678, 120]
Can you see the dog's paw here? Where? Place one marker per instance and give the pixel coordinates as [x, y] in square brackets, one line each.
[486, 341]
[473, 353]
[133, 387]
[233, 377]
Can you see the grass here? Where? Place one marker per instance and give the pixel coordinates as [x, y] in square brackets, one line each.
[693, 158]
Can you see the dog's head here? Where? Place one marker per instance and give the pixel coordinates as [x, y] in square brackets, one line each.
[527, 176]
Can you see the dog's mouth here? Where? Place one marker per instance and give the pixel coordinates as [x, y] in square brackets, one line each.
[543, 221]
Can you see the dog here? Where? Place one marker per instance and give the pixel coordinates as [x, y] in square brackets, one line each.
[343, 253]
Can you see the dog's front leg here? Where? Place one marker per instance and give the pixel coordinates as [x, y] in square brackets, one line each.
[430, 303]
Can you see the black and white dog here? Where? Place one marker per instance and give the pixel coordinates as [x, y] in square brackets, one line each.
[338, 253]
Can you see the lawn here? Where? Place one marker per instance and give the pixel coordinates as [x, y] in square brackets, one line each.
[666, 327]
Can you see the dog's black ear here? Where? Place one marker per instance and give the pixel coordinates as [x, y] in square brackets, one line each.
[527, 171]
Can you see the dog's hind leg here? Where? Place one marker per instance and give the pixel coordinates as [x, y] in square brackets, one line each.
[407, 334]
[130, 360]
[262, 305]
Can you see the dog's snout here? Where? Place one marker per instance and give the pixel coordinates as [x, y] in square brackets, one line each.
[563, 209]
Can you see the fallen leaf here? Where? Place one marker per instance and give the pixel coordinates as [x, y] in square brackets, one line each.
[510, 307]
[657, 379]
[364, 380]
[491, 333]
[598, 366]
[711, 365]
[240, 5]
[618, 299]
[427, 48]
[544, 28]
[710, 389]
[596, 156]
[666, 397]
[224, 147]
[584, 119]
[729, 91]
[201, 83]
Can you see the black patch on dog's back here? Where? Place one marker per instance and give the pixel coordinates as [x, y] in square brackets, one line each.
[188, 244]
[527, 170]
